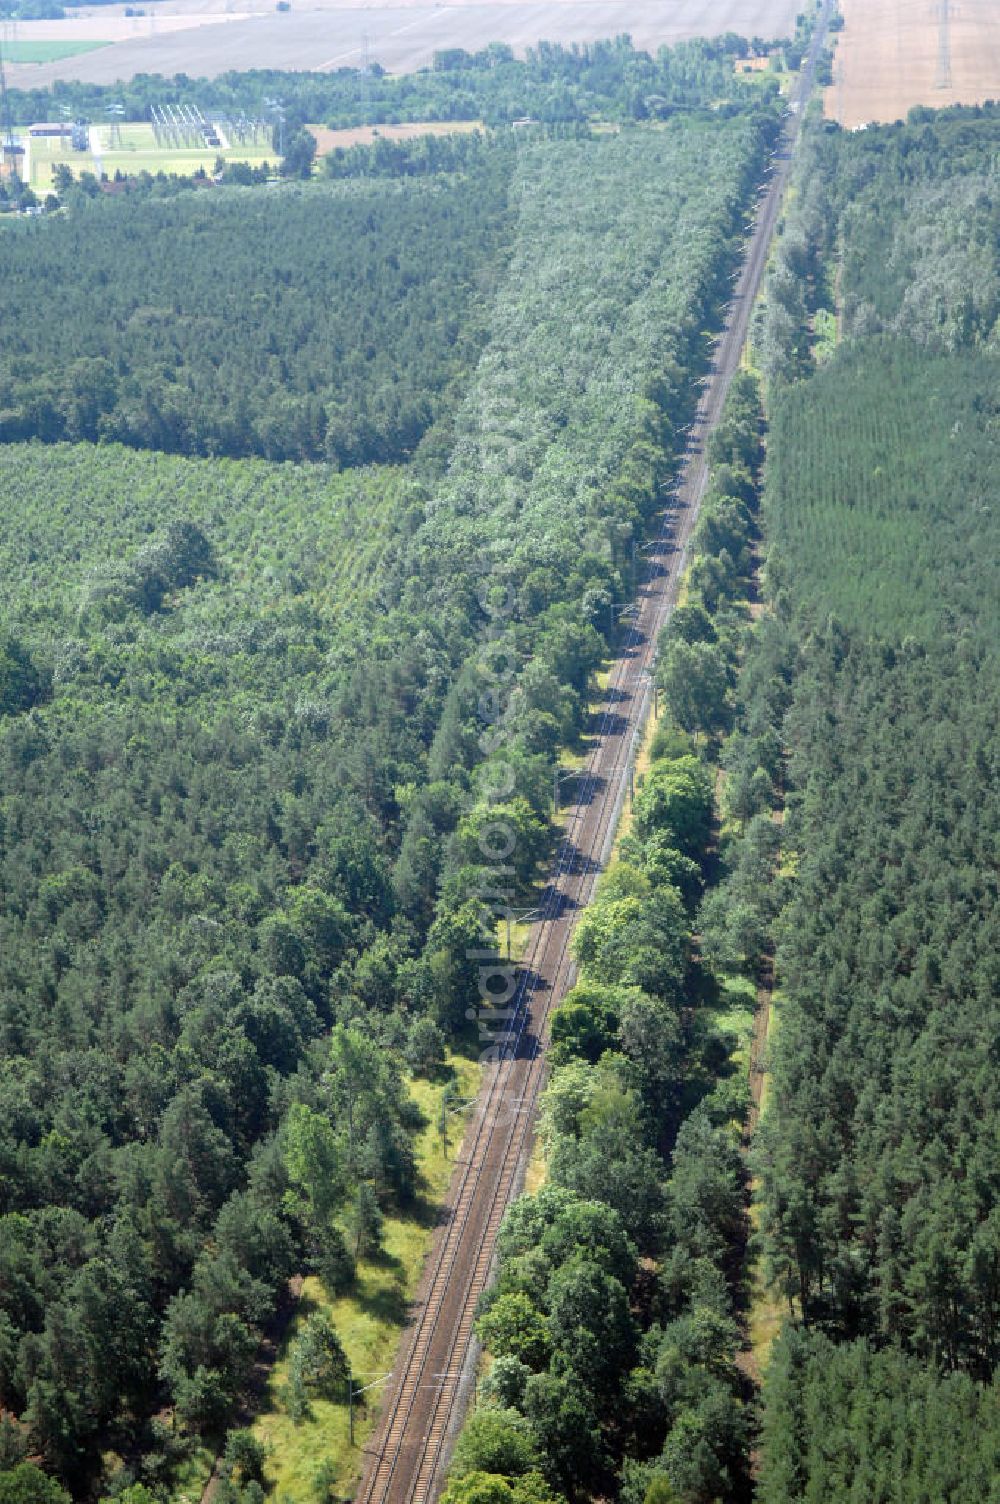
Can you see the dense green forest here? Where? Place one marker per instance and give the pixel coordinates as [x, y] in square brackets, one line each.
[846, 1422]
[876, 680]
[899, 226]
[888, 456]
[552, 83]
[246, 696]
[302, 323]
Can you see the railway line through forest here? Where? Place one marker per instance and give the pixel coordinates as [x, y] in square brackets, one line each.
[406, 1455]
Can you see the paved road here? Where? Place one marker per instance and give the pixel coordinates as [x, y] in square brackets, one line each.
[423, 1407]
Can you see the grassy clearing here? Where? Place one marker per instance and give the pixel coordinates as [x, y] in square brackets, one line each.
[825, 332]
[43, 155]
[537, 1172]
[732, 1018]
[773, 1021]
[734, 1015]
[768, 1308]
[520, 935]
[181, 163]
[191, 1476]
[369, 1319]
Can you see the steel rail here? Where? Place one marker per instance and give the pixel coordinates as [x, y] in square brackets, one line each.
[476, 1207]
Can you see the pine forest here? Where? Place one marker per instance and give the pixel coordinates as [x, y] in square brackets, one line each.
[246, 565]
[296, 469]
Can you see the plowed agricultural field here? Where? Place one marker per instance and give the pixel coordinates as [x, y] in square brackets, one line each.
[402, 35]
[893, 54]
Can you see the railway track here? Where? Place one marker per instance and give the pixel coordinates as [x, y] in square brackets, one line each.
[406, 1457]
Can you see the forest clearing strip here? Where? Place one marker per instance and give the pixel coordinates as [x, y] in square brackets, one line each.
[423, 1407]
[761, 1025]
[763, 1311]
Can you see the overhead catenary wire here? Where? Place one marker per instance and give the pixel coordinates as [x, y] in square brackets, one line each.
[478, 1203]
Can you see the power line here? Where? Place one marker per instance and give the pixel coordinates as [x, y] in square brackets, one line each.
[9, 147]
[944, 45]
[365, 93]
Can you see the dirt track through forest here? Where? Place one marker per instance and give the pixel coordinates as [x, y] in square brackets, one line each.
[433, 1376]
[761, 1025]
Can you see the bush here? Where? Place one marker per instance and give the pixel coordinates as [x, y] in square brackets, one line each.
[496, 1441]
[27, 1484]
[424, 1046]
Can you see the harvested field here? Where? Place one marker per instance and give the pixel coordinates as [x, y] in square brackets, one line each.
[363, 135]
[20, 51]
[402, 36]
[78, 29]
[893, 54]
